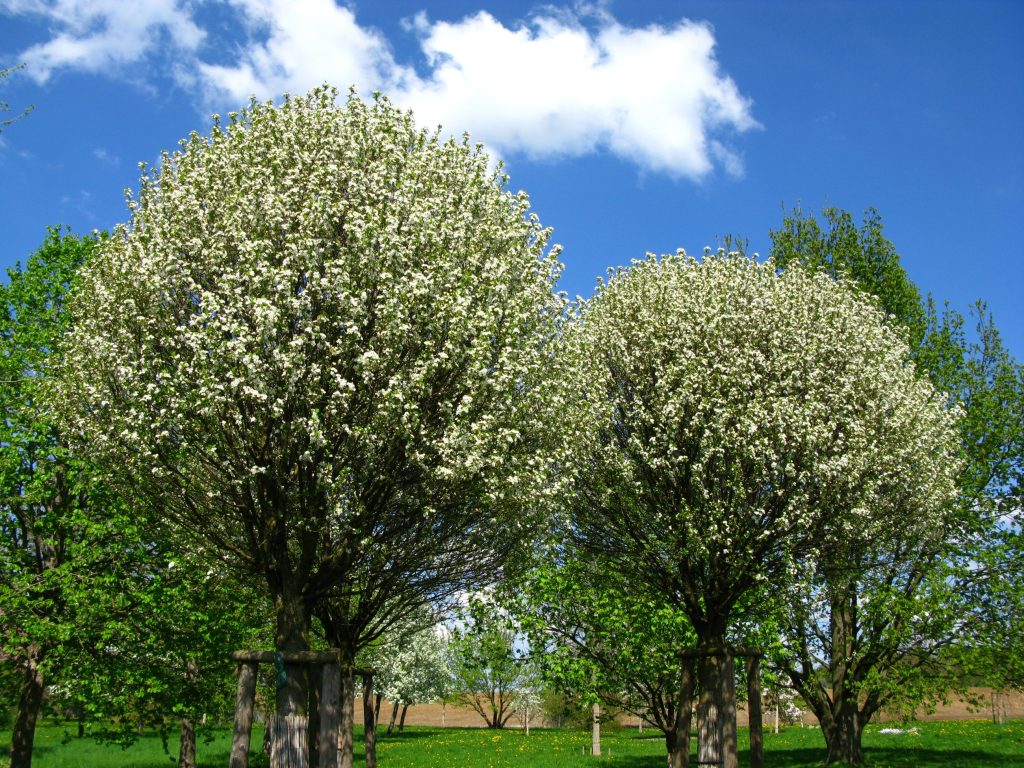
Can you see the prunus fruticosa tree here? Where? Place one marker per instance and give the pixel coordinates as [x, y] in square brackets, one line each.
[724, 421]
[318, 348]
[901, 620]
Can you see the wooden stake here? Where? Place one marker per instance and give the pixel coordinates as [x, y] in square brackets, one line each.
[329, 700]
[245, 698]
[369, 721]
[754, 712]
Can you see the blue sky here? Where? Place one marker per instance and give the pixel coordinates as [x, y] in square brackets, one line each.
[634, 126]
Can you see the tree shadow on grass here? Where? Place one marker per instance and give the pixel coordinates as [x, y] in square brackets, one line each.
[895, 757]
[37, 749]
[814, 757]
[405, 736]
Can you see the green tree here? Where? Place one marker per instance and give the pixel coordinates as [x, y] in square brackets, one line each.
[160, 658]
[724, 420]
[90, 608]
[873, 623]
[46, 534]
[488, 669]
[333, 377]
[861, 255]
[599, 639]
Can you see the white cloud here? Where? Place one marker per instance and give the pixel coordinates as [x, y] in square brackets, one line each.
[557, 87]
[297, 46]
[565, 83]
[105, 156]
[104, 35]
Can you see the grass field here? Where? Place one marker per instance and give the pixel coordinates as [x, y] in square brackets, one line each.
[961, 744]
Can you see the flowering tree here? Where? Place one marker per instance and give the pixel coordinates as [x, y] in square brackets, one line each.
[902, 619]
[731, 420]
[411, 666]
[316, 348]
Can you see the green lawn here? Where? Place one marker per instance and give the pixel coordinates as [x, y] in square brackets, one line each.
[964, 744]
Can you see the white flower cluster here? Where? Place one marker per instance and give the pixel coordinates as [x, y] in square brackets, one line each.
[317, 314]
[729, 417]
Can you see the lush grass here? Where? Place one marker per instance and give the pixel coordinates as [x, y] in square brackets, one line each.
[966, 744]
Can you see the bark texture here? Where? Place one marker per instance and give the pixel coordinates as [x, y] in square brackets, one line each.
[30, 701]
[677, 738]
[187, 750]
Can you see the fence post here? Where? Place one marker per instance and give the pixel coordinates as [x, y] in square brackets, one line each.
[245, 699]
[754, 712]
[369, 721]
[330, 686]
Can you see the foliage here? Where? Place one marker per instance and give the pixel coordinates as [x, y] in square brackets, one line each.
[163, 654]
[596, 638]
[56, 553]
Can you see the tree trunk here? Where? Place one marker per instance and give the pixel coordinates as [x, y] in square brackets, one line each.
[376, 708]
[29, 703]
[329, 704]
[394, 717]
[291, 723]
[727, 713]
[755, 718]
[843, 735]
[245, 699]
[595, 731]
[292, 635]
[289, 744]
[401, 723]
[843, 729]
[370, 722]
[677, 739]
[316, 676]
[346, 725]
[709, 724]
[80, 717]
[187, 749]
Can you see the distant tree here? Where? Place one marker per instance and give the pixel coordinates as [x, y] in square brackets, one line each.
[333, 377]
[884, 623]
[488, 669]
[597, 639]
[725, 421]
[411, 665]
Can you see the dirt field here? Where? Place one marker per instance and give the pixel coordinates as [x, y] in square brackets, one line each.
[1010, 705]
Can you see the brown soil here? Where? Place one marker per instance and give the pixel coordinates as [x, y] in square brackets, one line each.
[1009, 704]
